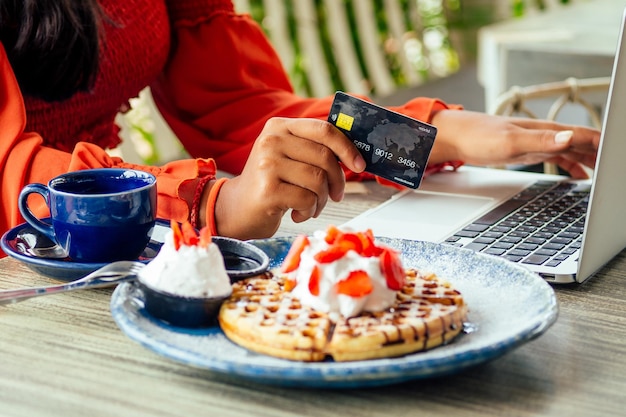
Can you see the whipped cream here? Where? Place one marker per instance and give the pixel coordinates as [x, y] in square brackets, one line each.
[328, 299]
[191, 271]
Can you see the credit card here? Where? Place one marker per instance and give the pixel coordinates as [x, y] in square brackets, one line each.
[395, 147]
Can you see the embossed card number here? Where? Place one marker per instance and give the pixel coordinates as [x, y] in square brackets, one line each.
[395, 147]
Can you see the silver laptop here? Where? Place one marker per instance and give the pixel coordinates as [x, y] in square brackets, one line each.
[481, 208]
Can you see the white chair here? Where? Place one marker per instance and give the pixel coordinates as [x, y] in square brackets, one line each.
[338, 42]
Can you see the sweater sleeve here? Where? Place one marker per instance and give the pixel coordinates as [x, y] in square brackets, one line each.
[224, 81]
[24, 160]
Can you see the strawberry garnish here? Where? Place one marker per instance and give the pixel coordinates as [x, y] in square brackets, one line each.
[332, 233]
[205, 237]
[391, 268]
[351, 241]
[340, 243]
[331, 254]
[357, 284]
[189, 234]
[368, 244]
[292, 260]
[185, 234]
[178, 234]
[314, 281]
[290, 284]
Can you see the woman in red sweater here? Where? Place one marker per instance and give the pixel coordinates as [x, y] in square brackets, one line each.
[67, 68]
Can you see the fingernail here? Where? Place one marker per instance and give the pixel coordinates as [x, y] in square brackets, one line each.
[359, 163]
[564, 136]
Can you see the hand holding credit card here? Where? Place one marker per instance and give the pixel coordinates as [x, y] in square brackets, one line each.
[394, 146]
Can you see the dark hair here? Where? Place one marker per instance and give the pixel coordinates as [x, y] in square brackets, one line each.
[52, 45]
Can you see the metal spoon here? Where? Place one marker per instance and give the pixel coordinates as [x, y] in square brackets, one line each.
[108, 275]
[36, 244]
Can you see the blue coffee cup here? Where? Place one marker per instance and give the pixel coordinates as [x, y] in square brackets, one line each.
[97, 215]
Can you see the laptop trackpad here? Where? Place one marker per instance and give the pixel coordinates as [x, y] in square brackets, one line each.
[422, 215]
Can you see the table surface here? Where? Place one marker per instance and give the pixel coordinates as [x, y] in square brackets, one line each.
[63, 355]
[575, 40]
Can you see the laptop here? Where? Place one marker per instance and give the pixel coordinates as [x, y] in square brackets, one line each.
[484, 210]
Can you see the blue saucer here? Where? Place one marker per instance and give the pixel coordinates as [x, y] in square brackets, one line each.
[241, 259]
[19, 242]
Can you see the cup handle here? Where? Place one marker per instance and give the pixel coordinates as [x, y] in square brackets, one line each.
[28, 215]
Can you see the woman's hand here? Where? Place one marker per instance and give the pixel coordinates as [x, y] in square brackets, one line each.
[481, 139]
[294, 164]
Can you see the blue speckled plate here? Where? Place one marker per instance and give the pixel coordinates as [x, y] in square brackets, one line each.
[508, 306]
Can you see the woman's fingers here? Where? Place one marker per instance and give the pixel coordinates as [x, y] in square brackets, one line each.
[318, 146]
[294, 164]
[327, 135]
[483, 139]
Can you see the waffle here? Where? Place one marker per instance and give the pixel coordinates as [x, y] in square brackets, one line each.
[262, 316]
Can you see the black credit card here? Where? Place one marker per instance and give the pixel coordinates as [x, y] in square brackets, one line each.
[394, 146]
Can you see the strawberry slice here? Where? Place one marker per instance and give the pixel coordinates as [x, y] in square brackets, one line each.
[351, 241]
[190, 237]
[332, 233]
[185, 234]
[342, 244]
[178, 234]
[331, 254]
[314, 281]
[290, 284]
[391, 268]
[357, 284]
[205, 237]
[368, 244]
[292, 260]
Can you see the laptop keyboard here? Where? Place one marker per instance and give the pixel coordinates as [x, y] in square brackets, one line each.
[542, 225]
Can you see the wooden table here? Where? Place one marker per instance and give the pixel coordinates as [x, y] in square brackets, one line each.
[63, 355]
[577, 40]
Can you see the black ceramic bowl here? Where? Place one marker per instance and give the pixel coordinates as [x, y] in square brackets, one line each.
[180, 311]
[241, 260]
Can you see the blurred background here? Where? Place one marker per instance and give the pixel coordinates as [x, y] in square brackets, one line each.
[391, 50]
